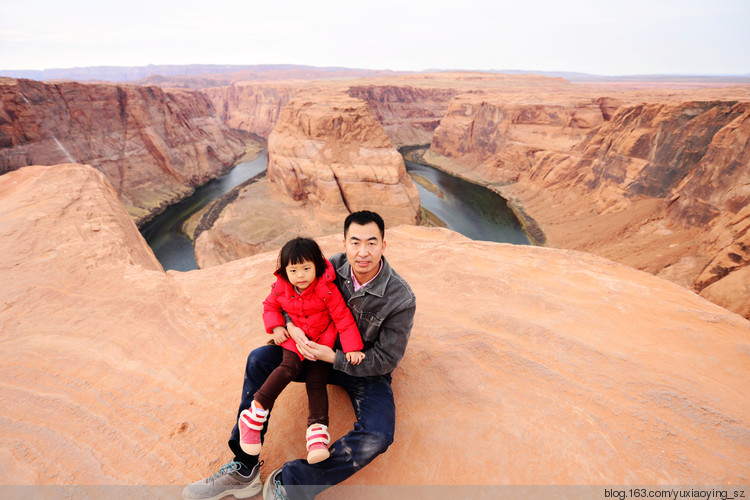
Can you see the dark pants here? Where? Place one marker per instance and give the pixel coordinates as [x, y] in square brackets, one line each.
[315, 382]
[372, 399]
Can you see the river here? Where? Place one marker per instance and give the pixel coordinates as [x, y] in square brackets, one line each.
[468, 209]
[172, 247]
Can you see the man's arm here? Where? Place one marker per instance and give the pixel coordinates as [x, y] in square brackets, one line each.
[380, 359]
[385, 354]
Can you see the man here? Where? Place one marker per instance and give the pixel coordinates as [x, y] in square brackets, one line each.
[383, 306]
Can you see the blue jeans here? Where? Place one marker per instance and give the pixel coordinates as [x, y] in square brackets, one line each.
[374, 408]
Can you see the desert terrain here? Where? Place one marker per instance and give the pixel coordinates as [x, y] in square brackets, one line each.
[615, 351]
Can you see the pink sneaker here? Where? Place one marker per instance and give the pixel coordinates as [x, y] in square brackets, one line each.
[317, 443]
[250, 424]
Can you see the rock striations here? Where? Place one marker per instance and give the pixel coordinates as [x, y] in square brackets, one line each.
[327, 157]
[582, 371]
[329, 151]
[655, 180]
[154, 146]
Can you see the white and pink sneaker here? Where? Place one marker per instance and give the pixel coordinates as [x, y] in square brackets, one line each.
[250, 424]
[317, 443]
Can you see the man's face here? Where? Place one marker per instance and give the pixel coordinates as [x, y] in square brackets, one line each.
[364, 247]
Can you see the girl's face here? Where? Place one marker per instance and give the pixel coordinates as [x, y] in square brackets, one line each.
[301, 275]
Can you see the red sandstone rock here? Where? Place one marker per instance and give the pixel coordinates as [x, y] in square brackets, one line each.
[327, 157]
[655, 184]
[329, 152]
[565, 368]
[409, 115]
[154, 146]
[253, 107]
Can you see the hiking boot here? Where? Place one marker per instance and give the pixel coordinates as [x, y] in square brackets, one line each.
[250, 424]
[317, 443]
[273, 489]
[227, 481]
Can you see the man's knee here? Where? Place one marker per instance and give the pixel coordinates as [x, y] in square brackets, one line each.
[375, 443]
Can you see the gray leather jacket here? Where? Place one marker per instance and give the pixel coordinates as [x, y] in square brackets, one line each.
[384, 311]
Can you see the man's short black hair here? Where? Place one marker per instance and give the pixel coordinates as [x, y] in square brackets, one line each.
[364, 217]
[299, 250]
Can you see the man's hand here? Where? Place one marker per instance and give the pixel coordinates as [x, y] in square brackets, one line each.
[317, 352]
[309, 349]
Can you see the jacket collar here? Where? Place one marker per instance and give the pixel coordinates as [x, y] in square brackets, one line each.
[376, 286]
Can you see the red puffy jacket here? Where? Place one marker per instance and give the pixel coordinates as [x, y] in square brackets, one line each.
[320, 311]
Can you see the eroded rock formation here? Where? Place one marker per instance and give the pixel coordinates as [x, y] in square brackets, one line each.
[497, 134]
[327, 157]
[154, 146]
[409, 114]
[583, 371]
[655, 180]
[253, 107]
[328, 151]
[690, 162]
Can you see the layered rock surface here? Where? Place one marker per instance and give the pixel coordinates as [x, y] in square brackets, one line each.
[577, 370]
[667, 185]
[154, 146]
[653, 179]
[251, 106]
[329, 151]
[327, 157]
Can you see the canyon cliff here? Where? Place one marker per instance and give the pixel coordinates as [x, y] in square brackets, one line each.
[329, 151]
[327, 157]
[583, 371]
[653, 179]
[652, 176]
[251, 106]
[154, 146]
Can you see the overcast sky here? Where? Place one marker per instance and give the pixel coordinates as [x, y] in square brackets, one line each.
[606, 37]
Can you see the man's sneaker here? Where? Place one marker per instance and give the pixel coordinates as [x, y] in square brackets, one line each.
[227, 481]
[250, 424]
[273, 489]
[317, 443]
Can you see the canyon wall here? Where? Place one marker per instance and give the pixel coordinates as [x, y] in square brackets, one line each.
[252, 107]
[583, 371]
[689, 161]
[408, 114]
[655, 180]
[498, 134]
[327, 157]
[154, 146]
[328, 150]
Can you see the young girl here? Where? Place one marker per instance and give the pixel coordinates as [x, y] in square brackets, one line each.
[305, 290]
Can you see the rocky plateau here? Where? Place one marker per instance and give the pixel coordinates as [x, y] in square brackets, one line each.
[582, 371]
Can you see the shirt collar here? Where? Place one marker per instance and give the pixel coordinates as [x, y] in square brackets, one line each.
[356, 284]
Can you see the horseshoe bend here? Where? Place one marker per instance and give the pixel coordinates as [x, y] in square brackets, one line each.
[615, 353]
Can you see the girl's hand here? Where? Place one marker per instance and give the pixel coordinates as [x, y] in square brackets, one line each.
[279, 335]
[297, 334]
[355, 357]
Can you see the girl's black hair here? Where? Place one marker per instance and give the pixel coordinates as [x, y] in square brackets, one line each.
[299, 250]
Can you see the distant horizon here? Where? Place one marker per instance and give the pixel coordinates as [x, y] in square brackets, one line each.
[181, 70]
[613, 38]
